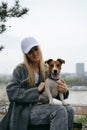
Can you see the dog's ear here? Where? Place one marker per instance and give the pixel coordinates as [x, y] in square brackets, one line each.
[46, 66]
[48, 61]
[61, 61]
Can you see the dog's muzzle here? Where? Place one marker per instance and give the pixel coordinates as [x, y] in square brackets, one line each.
[55, 74]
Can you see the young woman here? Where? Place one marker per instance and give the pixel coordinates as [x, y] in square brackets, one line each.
[28, 81]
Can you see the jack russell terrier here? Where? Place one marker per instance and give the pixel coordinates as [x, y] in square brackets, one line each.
[53, 68]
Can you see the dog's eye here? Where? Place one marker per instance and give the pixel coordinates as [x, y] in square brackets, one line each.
[58, 65]
[51, 65]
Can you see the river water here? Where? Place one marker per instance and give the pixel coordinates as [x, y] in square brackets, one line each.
[75, 97]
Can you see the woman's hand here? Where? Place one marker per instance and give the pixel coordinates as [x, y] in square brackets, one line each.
[62, 87]
[41, 87]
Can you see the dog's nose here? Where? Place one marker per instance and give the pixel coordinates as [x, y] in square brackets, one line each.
[55, 71]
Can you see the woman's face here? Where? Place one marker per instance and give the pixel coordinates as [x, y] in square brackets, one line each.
[34, 55]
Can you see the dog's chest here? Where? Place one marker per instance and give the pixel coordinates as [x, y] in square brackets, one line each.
[52, 86]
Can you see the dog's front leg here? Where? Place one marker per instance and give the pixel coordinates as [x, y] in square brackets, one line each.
[62, 99]
[49, 95]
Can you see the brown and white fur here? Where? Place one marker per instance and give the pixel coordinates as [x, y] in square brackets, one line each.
[53, 67]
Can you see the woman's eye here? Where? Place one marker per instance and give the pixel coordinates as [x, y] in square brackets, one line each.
[36, 49]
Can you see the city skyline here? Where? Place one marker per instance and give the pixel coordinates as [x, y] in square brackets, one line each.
[79, 70]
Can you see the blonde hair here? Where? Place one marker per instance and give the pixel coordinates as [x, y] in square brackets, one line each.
[29, 68]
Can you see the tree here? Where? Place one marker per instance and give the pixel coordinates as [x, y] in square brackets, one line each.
[6, 13]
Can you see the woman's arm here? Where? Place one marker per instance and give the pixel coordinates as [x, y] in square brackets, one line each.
[62, 87]
[21, 91]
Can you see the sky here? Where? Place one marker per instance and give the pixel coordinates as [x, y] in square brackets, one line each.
[60, 27]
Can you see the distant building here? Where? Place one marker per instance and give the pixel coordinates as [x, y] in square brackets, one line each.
[80, 71]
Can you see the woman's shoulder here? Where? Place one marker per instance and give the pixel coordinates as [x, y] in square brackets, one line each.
[20, 72]
[20, 68]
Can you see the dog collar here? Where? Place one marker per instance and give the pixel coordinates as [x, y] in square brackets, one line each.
[54, 79]
[49, 75]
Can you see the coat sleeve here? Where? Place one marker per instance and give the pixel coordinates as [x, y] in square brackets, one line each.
[19, 91]
[65, 95]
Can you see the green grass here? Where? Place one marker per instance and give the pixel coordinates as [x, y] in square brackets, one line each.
[81, 119]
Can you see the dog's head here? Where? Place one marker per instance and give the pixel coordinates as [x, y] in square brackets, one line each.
[54, 67]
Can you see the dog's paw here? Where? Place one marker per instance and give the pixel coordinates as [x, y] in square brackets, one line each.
[51, 103]
[65, 103]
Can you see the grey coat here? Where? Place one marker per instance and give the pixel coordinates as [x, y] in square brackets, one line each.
[22, 96]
